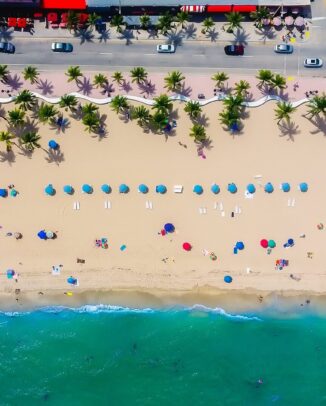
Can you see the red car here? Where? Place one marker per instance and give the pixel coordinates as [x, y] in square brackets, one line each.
[234, 50]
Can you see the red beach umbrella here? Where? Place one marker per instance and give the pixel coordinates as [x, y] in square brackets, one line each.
[264, 243]
[186, 246]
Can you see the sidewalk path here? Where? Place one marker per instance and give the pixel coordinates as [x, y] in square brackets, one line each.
[191, 33]
[54, 84]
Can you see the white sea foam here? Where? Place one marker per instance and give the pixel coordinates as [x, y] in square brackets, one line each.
[101, 308]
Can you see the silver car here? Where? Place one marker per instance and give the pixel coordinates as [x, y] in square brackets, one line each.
[283, 49]
[165, 49]
[313, 63]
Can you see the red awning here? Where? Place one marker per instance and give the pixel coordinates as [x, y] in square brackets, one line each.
[193, 9]
[64, 4]
[12, 21]
[21, 22]
[244, 9]
[218, 9]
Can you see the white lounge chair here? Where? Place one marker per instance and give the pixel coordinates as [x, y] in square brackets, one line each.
[178, 189]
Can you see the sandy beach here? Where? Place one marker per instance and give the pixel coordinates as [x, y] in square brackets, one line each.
[128, 155]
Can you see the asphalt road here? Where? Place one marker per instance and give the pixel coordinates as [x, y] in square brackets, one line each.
[190, 56]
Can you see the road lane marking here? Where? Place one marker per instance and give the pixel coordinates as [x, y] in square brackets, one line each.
[106, 53]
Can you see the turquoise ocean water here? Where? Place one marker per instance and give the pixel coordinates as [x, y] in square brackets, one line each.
[114, 356]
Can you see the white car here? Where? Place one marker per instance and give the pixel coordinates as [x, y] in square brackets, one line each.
[165, 49]
[313, 63]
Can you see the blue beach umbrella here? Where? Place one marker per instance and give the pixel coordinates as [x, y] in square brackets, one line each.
[13, 193]
[106, 188]
[142, 188]
[227, 279]
[251, 188]
[232, 188]
[10, 273]
[53, 144]
[239, 245]
[215, 188]
[86, 188]
[303, 187]
[68, 189]
[123, 188]
[161, 189]
[169, 228]
[3, 193]
[290, 242]
[198, 189]
[71, 280]
[49, 190]
[269, 188]
[42, 235]
[286, 187]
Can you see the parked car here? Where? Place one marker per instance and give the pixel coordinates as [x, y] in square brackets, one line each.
[313, 63]
[283, 49]
[234, 50]
[7, 47]
[165, 48]
[62, 47]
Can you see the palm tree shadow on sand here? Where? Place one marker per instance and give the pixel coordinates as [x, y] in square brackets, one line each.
[6, 34]
[84, 35]
[14, 82]
[147, 88]
[104, 36]
[108, 88]
[128, 36]
[212, 35]
[203, 120]
[126, 86]
[241, 37]
[29, 126]
[319, 122]
[8, 156]
[185, 91]
[289, 129]
[55, 156]
[85, 86]
[45, 87]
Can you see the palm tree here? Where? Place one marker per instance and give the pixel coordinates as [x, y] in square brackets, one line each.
[234, 20]
[158, 120]
[7, 137]
[193, 109]
[317, 105]
[74, 73]
[92, 19]
[91, 122]
[31, 140]
[68, 101]
[100, 80]
[4, 73]
[234, 103]
[16, 117]
[208, 24]
[138, 74]
[117, 22]
[242, 87]
[141, 114]
[283, 111]
[278, 82]
[31, 73]
[162, 104]
[46, 113]
[220, 78]
[145, 21]
[164, 23]
[265, 77]
[89, 108]
[26, 100]
[229, 118]
[173, 80]
[182, 18]
[119, 104]
[118, 77]
[72, 20]
[198, 132]
[259, 15]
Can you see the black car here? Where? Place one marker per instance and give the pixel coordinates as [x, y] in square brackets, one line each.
[234, 50]
[7, 47]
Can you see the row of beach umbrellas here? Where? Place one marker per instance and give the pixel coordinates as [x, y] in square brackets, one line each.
[161, 189]
[289, 21]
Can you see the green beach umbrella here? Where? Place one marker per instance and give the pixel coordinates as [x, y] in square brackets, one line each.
[271, 244]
